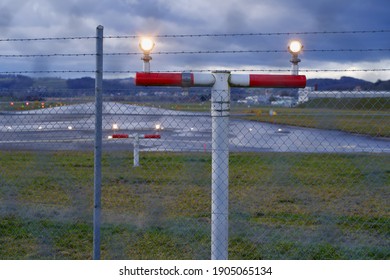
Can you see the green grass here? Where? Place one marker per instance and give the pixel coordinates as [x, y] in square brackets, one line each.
[375, 104]
[368, 122]
[190, 106]
[368, 116]
[282, 206]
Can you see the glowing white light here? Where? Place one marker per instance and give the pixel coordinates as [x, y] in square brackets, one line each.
[70, 127]
[295, 47]
[146, 44]
[115, 126]
[158, 126]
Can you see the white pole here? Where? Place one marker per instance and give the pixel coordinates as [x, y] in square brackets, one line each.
[220, 108]
[146, 58]
[98, 143]
[136, 150]
[146, 66]
[295, 69]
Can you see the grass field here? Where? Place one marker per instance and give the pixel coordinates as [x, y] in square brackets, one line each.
[282, 206]
[368, 122]
[369, 116]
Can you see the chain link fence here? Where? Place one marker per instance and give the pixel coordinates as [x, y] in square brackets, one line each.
[308, 176]
[295, 192]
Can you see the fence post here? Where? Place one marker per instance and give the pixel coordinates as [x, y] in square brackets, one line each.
[98, 143]
[136, 150]
[220, 108]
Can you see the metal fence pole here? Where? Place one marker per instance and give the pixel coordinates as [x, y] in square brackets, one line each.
[220, 107]
[136, 150]
[98, 143]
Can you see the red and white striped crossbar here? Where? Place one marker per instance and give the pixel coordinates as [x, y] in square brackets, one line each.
[208, 79]
[117, 136]
[152, 136]
[174, 79]
[267, 81]
[146, 136]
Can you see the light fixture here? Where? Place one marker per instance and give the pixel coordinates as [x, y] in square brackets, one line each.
[295, 47]
[146, 44]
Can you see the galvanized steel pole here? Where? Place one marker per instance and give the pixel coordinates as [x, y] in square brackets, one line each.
[220, 109]
[136, 151]
[294, 65]
[98, 143]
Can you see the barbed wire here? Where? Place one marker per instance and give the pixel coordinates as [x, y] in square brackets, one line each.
[187, 52]
[251, 34]
[47, 39]
[249, 70]
[345, 70]
[45, 72]
[191, 71]
[248, 51]
[199, 35]
[46, 55]
[349, 50]
[196, 52]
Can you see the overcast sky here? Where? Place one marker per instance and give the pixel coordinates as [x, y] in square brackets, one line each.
[68, 18]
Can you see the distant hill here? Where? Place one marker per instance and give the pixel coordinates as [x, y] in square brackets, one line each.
[31, 88]
[347, 83]
[382, 85]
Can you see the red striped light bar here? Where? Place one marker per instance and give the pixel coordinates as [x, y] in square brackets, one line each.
[145, 136]
[267, 81]
[208, 79]
[116, 136]
[152, 136]
[174, 79]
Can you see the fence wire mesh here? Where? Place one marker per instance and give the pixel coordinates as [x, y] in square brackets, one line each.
[319, 190]
[308, 176]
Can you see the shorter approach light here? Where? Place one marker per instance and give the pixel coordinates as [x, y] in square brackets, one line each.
[115, 126]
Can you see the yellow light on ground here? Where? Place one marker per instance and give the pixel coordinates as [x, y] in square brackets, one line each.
[146, 44]
[295, 47]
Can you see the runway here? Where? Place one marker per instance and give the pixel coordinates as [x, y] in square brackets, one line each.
[72, 128]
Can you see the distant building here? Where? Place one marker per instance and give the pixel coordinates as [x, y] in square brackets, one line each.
[255, 99]
[309, 93]
[285, 101]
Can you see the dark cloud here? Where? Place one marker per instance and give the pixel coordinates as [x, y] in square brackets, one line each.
[28, 18]
[5, 17]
